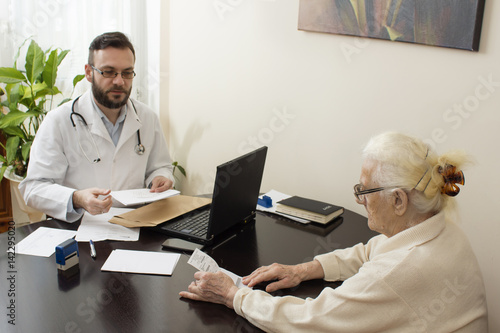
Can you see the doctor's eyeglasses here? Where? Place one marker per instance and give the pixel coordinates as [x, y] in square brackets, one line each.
[112, 74]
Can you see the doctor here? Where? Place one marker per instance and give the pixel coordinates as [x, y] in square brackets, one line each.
[101, 141]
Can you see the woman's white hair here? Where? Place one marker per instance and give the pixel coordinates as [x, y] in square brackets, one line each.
[411, 164]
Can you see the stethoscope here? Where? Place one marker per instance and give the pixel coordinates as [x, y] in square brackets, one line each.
[139, 148]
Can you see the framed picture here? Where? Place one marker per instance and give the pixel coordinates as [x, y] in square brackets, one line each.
[446, 23]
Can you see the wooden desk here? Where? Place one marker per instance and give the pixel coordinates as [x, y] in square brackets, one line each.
[95, 301]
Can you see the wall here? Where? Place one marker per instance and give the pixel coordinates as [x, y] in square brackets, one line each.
[242, 75]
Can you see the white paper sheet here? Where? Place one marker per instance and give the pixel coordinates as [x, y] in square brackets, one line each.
[275, 197]
[143, 262]
[141, 196]
[203, 262]
[97, 228]
[43, 241]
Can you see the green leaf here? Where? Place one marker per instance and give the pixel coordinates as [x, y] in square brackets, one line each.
[12, 107]
[55, 90]
[13, 131]
[47, 51]
[12, 145]
[44, 92]
[50, 71]
[25, 150]
[41, 90]
[11, 75]
[34, 62]
[61, 56]
[2, 171]
[37, 88]
[77, 79]
[181, 169]
[14, 118]
[19, 51]
[14, 93]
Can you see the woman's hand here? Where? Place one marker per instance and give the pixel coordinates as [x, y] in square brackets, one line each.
[287, 276]
[211, 287]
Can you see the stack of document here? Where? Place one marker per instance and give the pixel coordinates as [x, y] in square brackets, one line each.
[97, 228]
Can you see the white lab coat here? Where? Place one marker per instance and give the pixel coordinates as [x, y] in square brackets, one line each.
[58, 166]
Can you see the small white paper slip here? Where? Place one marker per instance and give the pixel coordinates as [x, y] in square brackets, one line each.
[203, 262]
[43, 241]
[140, 196]
[143, 262]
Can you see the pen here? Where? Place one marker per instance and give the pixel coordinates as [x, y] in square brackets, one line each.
[93, 254]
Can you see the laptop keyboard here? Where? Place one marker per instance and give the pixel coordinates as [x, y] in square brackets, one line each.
[196, 225]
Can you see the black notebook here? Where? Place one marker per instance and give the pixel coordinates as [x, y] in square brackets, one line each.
[309, 209]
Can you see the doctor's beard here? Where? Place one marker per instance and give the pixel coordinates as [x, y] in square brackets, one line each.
[102, 98]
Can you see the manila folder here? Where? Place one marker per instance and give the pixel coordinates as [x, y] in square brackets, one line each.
[160, 211]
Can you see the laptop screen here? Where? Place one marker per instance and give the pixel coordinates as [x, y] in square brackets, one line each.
[236, 190]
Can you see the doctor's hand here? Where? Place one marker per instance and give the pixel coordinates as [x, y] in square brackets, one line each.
[286, 276]
[211, 287]
[89, 200]
[160, 184]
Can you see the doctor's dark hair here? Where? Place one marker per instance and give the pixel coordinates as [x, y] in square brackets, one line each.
[109, 39]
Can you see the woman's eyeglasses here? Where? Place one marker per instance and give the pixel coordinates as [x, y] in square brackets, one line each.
[359, 193]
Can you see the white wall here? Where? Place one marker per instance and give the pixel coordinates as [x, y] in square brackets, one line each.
[243, 74]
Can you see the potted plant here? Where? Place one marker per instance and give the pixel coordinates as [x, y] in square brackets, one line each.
[27, 95]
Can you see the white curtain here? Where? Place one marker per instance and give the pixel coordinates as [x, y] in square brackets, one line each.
[73, 24]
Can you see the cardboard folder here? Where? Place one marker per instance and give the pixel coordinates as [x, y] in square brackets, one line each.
[160, 211]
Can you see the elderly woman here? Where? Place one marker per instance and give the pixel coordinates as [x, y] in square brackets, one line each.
[419, 275]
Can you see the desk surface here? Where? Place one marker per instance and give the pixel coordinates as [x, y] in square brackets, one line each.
[96, 301]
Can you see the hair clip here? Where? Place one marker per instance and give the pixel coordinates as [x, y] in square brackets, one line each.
[451, 177]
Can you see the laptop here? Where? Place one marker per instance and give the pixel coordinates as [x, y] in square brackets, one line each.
[234, 201]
